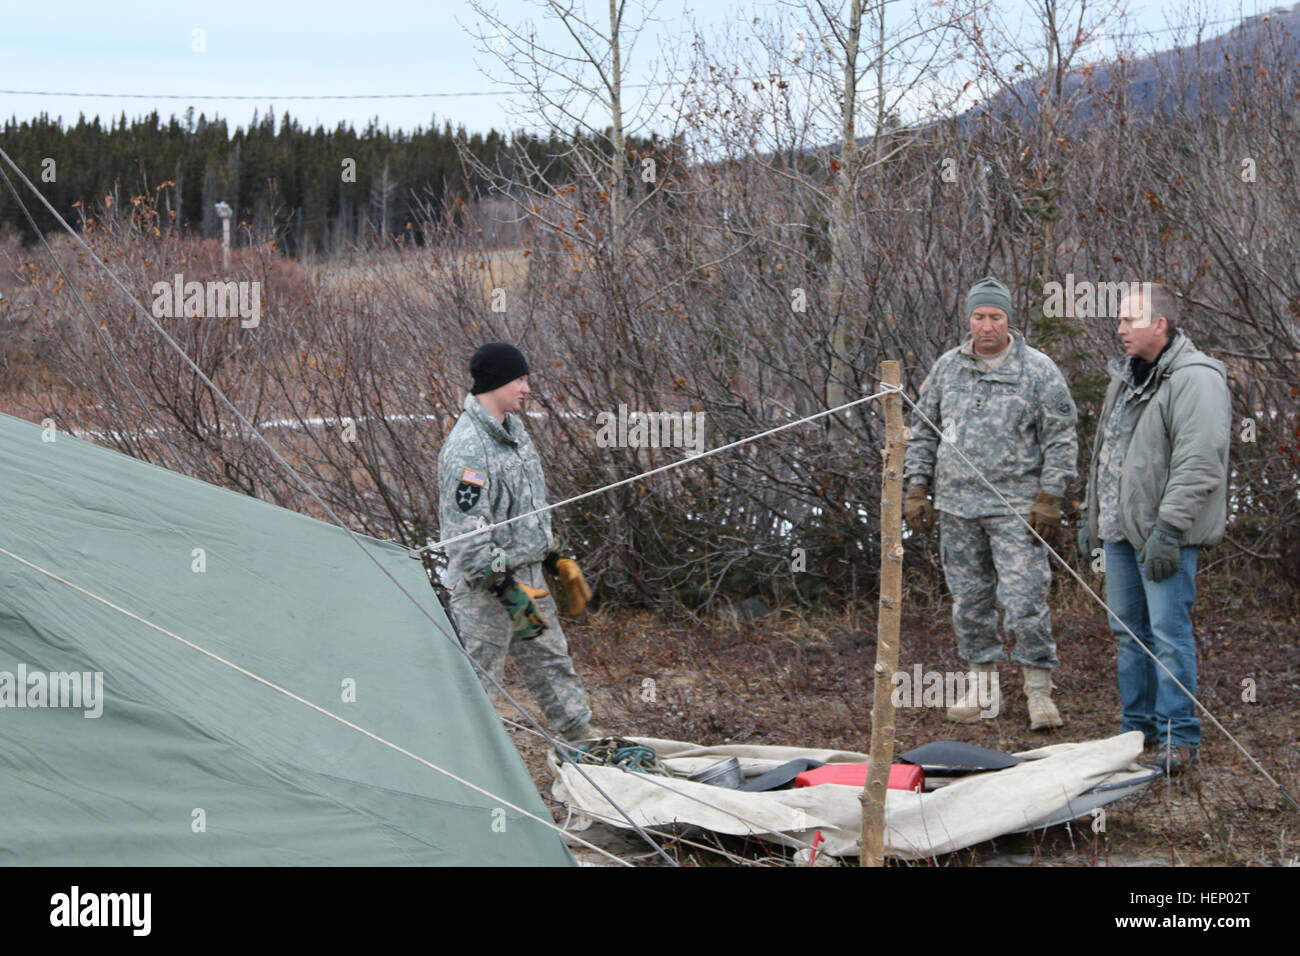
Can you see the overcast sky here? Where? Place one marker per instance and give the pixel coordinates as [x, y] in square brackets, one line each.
[276, 51]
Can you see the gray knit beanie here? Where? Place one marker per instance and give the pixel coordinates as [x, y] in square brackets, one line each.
[988, 292]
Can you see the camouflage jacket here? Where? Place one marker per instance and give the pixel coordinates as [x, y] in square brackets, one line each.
[488, 472]
[1015, 424]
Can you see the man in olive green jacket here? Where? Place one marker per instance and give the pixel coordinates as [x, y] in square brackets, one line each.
[1157, 494]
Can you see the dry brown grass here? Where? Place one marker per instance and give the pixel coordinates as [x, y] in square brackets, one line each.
[503, 268]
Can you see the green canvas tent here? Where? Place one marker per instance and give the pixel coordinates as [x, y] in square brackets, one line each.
[190, 761]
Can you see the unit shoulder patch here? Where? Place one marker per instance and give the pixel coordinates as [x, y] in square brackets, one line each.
[470, 488]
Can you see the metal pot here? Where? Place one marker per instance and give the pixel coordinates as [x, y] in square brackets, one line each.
[724, 774]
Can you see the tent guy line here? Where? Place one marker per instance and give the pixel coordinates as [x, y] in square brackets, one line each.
[437, 545]
[1102, 603]
[289, 469]
[302, 700]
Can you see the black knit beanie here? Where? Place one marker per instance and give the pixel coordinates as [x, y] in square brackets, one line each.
[494, 365]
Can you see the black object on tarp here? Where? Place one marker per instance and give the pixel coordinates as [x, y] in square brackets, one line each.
[952, 758]
[780, 777]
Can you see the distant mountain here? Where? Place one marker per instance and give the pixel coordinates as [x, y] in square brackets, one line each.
[1197, 74]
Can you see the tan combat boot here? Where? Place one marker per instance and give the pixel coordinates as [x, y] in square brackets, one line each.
[1038, 691]
[968, 709]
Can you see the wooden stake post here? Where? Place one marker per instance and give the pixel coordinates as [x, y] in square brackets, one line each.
[887, 627]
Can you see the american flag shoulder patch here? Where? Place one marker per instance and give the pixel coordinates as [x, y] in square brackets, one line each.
[473, 477]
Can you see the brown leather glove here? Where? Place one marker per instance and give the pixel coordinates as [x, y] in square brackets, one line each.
[917, 509]
[1045, 518]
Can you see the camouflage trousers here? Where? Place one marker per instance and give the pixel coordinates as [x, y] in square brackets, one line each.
[994, 557]
[543, 662]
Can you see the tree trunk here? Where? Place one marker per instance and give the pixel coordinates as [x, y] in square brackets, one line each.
[887, 627]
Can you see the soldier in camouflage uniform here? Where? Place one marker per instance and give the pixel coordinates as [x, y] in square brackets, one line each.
[1006, 406]
[488, 471]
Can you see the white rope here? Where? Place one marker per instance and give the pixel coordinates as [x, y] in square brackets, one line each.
[1093, 594]
[654, 471]
[487, 528]
[302, 700]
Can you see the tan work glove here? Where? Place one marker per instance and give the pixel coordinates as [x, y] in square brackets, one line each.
[576, 590]
[917, 509]
[1045, 518]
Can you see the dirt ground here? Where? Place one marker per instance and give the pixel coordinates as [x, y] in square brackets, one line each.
[782, 679]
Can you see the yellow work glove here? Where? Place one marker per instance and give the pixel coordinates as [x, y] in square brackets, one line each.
[576, 590]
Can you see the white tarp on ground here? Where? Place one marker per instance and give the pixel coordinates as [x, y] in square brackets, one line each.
[1047, 787]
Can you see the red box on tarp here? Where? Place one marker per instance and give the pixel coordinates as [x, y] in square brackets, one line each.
[902, 776]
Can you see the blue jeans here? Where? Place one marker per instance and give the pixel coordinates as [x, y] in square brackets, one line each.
[1160, 614]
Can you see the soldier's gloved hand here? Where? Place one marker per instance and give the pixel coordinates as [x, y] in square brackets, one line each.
[577, 592]
[1045, 518]
[917, 509]
[1161, 554]
[520, 601]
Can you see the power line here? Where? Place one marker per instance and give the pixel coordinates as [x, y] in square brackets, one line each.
[251, 96]
[453, 94]
[337, 96]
